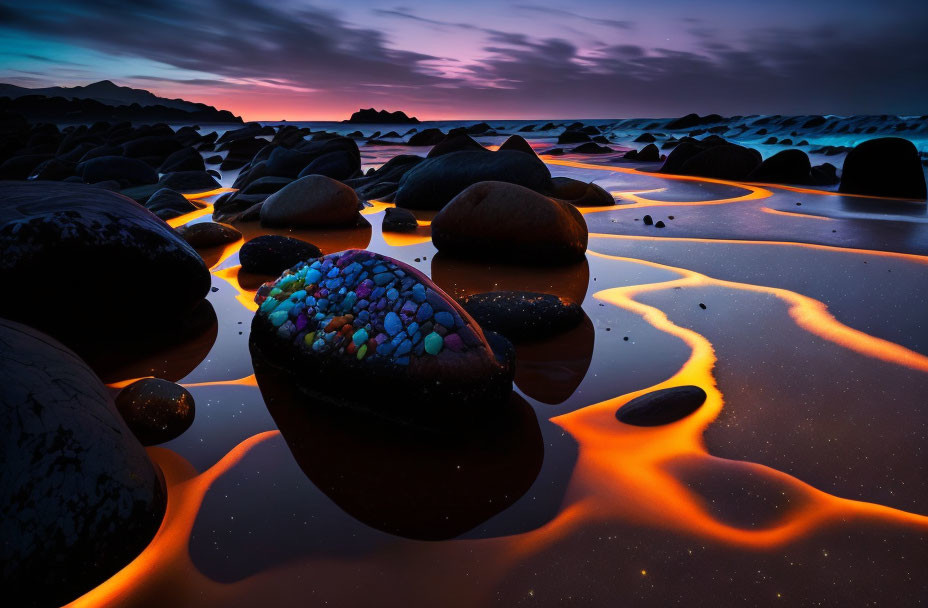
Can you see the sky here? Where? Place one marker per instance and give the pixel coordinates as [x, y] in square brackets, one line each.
[484, 59]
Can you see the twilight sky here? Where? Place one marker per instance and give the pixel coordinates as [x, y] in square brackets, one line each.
[439, 59]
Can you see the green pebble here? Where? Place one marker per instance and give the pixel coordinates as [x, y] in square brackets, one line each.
[361, 352]
[434, 343]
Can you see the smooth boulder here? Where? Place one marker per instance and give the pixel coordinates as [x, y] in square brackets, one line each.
[523, 315]
[272, 254]
[208, 234]
[662, 406]
[399, 220]
[888, 166]
[314, 200]
[509, 223]
[155, 410]
[361, 330]
[79, 497]
[435, 181]
[90, 243]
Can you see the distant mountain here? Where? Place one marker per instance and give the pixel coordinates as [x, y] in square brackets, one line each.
[105, 100]
[372, 116]
[105, 91]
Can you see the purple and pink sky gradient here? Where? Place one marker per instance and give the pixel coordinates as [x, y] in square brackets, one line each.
[483, 59]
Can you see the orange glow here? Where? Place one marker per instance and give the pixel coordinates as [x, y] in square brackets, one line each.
[244, 296]
[193, 196]
[125, 383]
[791, 214]
[180, 220]
[246, 381]
[227, 252]
[376, 207]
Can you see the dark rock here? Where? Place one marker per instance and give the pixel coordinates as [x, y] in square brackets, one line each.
[399, 220]
[89, 238]
[645, 138]
[888, 166]
[517, 143]
[53, 169]
[580, 194]
[372, 116]
[648, 154]
[428, 137]
[825, 174]
[435, 181]
[572, 137]
[659, 224]
[153, 146]
[215, 159]
[592, 148]
[508, 222]
[786, 167]
[712, 158]
[455, 143]
[128, 171]
[185, 159]
[522, 315]
[79, 497]
[155, 410]
[21, 167]
[423, 346]
[314, 200]
[337, 164]
[167, 204]
[648, 220]
[208, 234]
[693, 120]
[662, 406]
[266, 185]
[272, 254]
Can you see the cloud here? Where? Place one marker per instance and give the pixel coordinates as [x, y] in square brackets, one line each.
[307, 53]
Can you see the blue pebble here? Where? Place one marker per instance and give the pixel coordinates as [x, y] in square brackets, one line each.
[401, 360]
[392, 294]
[413, 328]
[392, 324]
[385, 349]
[377, 294]
[359, 337]
[313, 276]
[404, 348]
[383, 278]
[334, 272]
[445, 318]
[424, 313]
[277, 317]
[418, 293]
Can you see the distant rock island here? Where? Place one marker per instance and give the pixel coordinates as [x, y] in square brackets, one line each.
[372, 116]
[105, 100]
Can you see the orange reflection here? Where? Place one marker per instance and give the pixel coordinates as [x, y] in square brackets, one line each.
[244, 296]
[791, 214]
[246, 381]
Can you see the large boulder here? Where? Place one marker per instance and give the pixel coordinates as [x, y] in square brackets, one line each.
[314, 200]
[87, 242]
[508, 222]
[427, 137]
[363, 330]
[435, 181]
[167, 204]
[786, 167]
[272, 254]
[127, 171]
[581, 194]
[336, 164]
[79, 497]
[208, 234]
[523, 315]
[713, 158]
[888, 166]
[455, 143]
[185, 159]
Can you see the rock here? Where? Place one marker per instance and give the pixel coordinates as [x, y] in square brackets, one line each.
[662, 406]
[786, 167]
[90, 239]
[825, 174]
[648, 220]
[455, 143]
[572, 137]
[314, 200]
[189, 181]
[155, 410]
[127, 171]
[399, 220]
[508, 222]
[580, 194]
[208, 234]
[522, 315]
[714, 158]
[393, 343]
[372, 116]
[592, 148]
[272, 254]
[478, 129]
[888, 166]
[659, 224]
[435, 181]
[53, 169]
[337, 164]
[79, 497]
[645, 138]
[517, 143]
[692, 120]
[266, 185]
[215, 159]
[284, 162]
[21, 167]
[185, 159]
[428, 137]
[649, 154]
[167, 204]
[154, 146]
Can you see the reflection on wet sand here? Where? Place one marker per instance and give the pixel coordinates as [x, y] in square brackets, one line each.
[549, 370]
[414, 484]
[459, 278]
